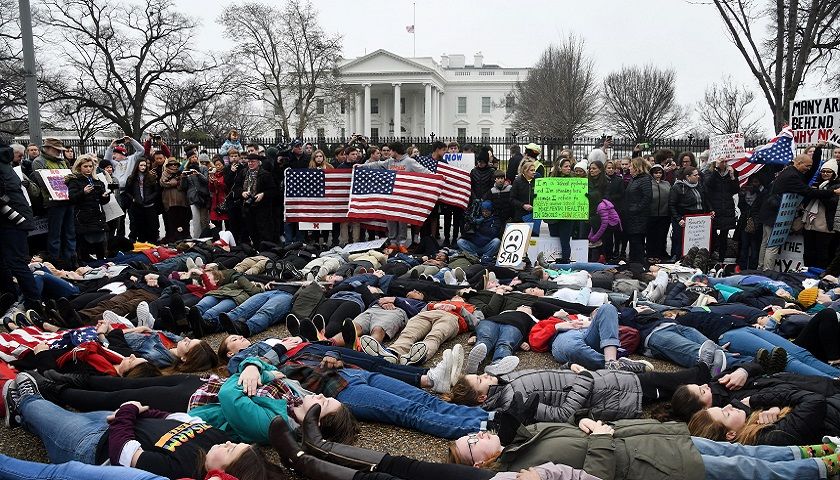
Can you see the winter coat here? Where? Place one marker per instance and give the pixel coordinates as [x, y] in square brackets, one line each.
[481, 181]
[683, 200]
[90, 218]
[10, 188]
[615, 189]
[790, 181]
[679, 295]
[198, 192]
[513, 167]
[641, 449]
[720, 191]
[502, 206]
[550, 471]
[820, 213]
[660, 191]
[486, 229]
[802, 426]
[609, 218]
[637, 197]
[565, 396]
[750, 210]
[45, 162]
[150, 194]
[238, 289]
[218, 192]
[521, 193]
[265, 185]
[172, 194]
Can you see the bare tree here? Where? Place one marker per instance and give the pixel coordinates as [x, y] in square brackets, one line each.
[802, 35]
[182, 99]
[85, 121]
[12, 86]
[560, 97]
[217, 117]
[122, 56]
[641, 103]
[292, 59]
[729, 108]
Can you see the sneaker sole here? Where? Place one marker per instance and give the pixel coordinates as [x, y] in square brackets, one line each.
[502, 367]
[476, 356]
[457, 363]
[6, 408]
[416, 354]
[375, 349]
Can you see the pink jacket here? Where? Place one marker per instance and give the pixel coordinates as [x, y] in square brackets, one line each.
[551, 471]
[609, 218]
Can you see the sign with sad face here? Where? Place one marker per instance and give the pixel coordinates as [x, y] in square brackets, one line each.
[514, 245]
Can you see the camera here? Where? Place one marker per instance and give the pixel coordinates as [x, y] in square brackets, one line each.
[10, 213]
[248, 201]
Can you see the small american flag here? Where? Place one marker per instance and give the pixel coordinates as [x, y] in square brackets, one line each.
[314, 195]
[406, 197]
[456, 187]
[779, 151]
[409, 28]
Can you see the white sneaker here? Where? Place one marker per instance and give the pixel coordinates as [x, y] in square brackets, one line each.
[144, 317]
[449, 278]
[441, 373]
[375, 349]
[112, 317]
[457, 363]
[460, 275]
[477, 354]
[503, 365]
[190, 263]
[199, 262]
[416, 354]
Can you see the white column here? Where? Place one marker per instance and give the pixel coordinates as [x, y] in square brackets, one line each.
[357, 114]
[441, 118]
[397, 114]
[417, 127]
[367, 110]
[348, 116]
[435, 106]
[427, 114]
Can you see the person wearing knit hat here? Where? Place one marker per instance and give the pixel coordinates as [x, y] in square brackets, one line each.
[808, 297]
[819, 219]
[580, 168]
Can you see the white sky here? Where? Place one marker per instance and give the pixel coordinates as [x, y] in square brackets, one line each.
[688, 37]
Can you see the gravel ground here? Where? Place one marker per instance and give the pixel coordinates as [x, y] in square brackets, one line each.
[394, 440]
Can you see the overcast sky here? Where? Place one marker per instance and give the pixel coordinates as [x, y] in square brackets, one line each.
[688, 37]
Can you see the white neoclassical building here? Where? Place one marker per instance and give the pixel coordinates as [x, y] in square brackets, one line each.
[447, 98]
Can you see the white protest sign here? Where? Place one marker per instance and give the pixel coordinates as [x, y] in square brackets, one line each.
[54, 180]
[364, 246]
[697, 232]
[815, 120]
[552, 252]
[727, 147]
[463, 161]
[514, 245]
[112, 208]
[788, 209]
[791, 258]
[319, 226]
[19, 172]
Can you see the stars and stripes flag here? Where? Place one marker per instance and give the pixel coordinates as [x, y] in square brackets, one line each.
[779, 151]
[409, 28]
[15, 344]
[315, 195]
[389, 195]
[456, 187]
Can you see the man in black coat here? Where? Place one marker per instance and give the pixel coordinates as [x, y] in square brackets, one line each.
[792, 179]
[257, 192]
[16, 220]
[513, 163]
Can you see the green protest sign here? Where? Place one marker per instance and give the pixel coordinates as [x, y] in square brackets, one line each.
[561, 198]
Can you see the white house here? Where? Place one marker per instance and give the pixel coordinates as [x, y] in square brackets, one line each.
[447, 98]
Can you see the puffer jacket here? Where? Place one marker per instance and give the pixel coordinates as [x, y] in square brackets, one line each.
[720, 191]
[659, 200]
[90, 218]
[683, 201]
[601, 395]
[637, 197]
[237, 289]
[481, 181]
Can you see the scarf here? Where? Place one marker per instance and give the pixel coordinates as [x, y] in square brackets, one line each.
[53, 163]
[692, 187]
[250, 183]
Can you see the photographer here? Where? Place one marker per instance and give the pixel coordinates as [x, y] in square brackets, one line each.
[257, 192]
[15, 222]
[123, 166]
[296, 158]
[155, 140]
[88, 194]
[194, 182]
[234, 175]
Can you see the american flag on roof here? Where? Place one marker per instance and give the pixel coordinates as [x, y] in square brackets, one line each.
[389, 195]
[779, 151]
[456, 187]
[314, 195]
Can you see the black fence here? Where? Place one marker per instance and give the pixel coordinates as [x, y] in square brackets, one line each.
[551, 147]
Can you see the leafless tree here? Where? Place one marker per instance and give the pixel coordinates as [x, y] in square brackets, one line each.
[217, 117]
[72, 114]
[122, 56]
[782, 41]
[291, 59]
[640, 103]
[12, 86]
[560, 96]
[728, 108]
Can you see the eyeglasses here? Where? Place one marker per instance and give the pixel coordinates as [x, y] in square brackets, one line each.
[472, 439]
[827, 172]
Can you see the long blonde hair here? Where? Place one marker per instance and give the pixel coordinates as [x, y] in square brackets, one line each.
[525, 165]
[83, 159]
[326, 165]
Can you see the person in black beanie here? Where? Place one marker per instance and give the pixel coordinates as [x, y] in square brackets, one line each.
[16, 220]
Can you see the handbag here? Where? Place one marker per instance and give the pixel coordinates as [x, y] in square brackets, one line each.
[224, 207]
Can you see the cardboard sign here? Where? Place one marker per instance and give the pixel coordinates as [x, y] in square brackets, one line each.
[464, 161]
[697, 232]
[561, 198]
[112, 209]
[550, 247]
[364, 246]
[791, 258]
[317, 226]
[815, 120]
[784, 219]
[54, 180]
[727, 147]
[514, 245]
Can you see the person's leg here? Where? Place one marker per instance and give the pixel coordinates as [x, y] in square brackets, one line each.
[165, 398]
[468, 246]
[272, 312]
[405, 468]
[14, 256]
[14, 469]
[796, 354]
[510, 338]
[66, 435]
[762, 253]
[489, 250]
[564, 229]
[415, 330]
[821, 336]
[681, 345]
[250, 306]
[569, 347]
[68, 233]
[676, 238]
[342, 309]
[409, 374]
[444, 327]
[487, 334]
[603, 331]
[733, 461]
[206, 303]
[102, 383]
[393, 232]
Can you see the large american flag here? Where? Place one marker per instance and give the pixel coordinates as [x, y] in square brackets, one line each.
[406, 197]
[779, 151]
[456, 188]
[314, 195]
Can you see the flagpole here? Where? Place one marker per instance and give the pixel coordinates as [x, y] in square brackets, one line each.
[414, 22]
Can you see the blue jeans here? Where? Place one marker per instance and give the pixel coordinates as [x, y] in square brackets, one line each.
[588, 266]
[484, 252]
[61, 233]
[66, 435]
[14, 469]
[499, 338]
[563, 230]
[378, 398]
[585, 347]
[409, 374]
[263, 310]
[680, 344]
[122, 259]
[173, 264]
[747, 340]
[51, 286]
[733, 461]
[210, 307]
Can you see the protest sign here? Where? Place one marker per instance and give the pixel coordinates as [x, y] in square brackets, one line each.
[815, 120]
[318, 226]
[463, 161]
[792, 255]
[697, 232]
[364, 246]
[784, 219]
[112, 208]
[54, 180]
[550, 248]
[561, 198]
[514, 245]
[19, 172]
[727, 147]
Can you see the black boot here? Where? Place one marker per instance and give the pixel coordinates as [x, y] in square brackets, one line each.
[283, 442]
[339, 453]
[196, 322]
[73, 380]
